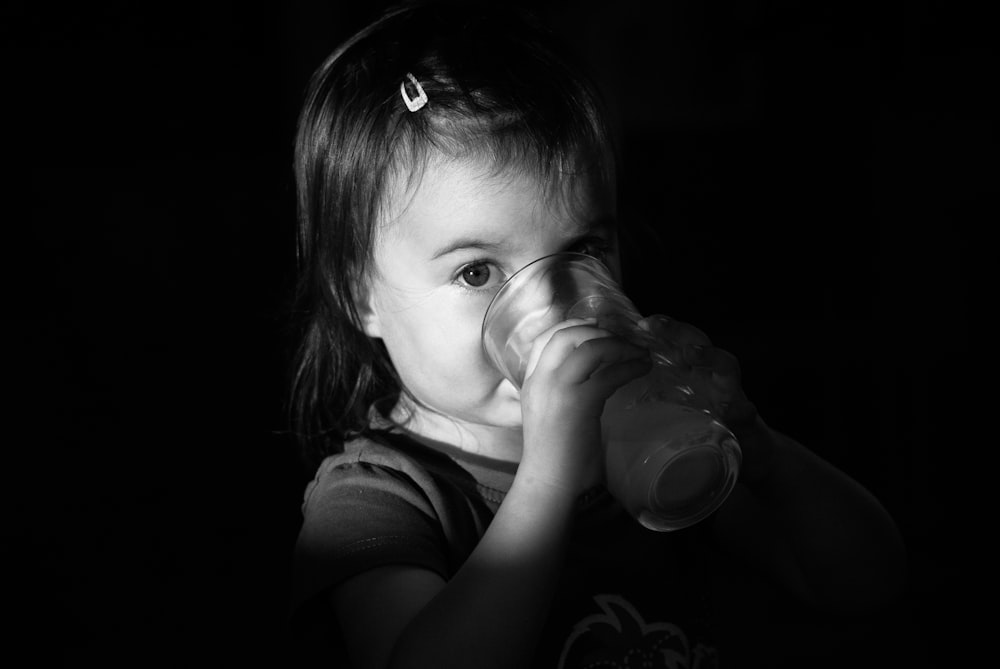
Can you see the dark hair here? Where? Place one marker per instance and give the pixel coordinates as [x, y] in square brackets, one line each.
[499, 90]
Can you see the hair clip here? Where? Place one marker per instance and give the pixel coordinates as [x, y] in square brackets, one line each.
[417, 103]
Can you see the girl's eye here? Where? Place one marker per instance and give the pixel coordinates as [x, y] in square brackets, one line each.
[476, 275]
[596, 248]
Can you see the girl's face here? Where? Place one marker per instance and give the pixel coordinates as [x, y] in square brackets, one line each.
[442, 252]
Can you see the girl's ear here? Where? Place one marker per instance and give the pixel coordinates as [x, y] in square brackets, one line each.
[367, 312]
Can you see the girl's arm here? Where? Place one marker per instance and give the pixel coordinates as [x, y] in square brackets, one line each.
[810, 526]
[816, 530]
[490, 613]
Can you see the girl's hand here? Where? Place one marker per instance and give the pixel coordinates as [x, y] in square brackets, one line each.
[716, 375]
[574, 367]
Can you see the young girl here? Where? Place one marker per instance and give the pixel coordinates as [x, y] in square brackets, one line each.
[455, 520]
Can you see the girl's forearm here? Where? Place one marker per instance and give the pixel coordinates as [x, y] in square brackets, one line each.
[495, 606]
[822, 533]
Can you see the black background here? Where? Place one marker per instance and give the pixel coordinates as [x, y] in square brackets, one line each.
[814, 172]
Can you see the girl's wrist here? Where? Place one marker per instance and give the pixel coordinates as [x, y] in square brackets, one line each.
[546, 486]
[759, 444]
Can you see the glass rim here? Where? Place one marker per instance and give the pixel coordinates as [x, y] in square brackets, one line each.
[504, 288]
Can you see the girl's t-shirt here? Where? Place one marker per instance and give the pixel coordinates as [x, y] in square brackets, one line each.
[627, 596]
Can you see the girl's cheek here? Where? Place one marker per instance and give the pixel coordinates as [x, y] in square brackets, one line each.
[471, 305]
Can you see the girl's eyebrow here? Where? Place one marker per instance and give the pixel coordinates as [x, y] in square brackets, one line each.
[605, 224]
[601, 224]
[465, 243]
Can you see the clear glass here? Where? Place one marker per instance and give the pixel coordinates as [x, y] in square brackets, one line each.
[669, 460]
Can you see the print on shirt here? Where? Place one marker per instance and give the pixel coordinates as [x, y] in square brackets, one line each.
[619, 637]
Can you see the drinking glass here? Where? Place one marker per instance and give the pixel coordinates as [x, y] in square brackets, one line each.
[669, 460]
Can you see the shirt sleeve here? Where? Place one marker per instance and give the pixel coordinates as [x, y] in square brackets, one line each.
[359, 515]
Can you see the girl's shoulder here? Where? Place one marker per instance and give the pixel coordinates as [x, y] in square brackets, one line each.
[379, 502]
[371, 450]
[367, 506]
[386, 450]
[372, 461]
[434, 471]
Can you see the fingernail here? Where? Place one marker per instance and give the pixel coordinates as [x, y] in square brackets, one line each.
[695, 353]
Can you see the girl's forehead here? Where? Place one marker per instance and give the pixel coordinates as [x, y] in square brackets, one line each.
[450, 187]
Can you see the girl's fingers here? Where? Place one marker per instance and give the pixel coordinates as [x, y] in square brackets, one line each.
[574, 353]
[596, 354]
[676, 333]
[721, 379]
[716, 372]
[615, 375]
[575, 332]
[740, 415]
[578, 351]
[722, 365]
